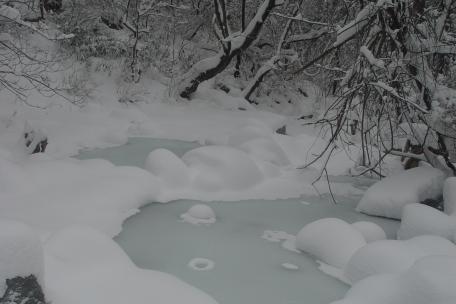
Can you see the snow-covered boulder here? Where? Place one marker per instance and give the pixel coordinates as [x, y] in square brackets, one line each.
[199, 214]
[392, 256]
[21, 253]
[418, 219]
[388, 196]
[371, 231]
[449, 196]
[330, 240]
[429, 280]
[216, 168]
[168, 166]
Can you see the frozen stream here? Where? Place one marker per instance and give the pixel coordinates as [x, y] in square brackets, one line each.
[247, 268]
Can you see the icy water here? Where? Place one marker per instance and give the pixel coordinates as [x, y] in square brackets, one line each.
[246, 267]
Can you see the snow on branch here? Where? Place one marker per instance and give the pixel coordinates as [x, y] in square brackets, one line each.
[371, 58]
[14, 15]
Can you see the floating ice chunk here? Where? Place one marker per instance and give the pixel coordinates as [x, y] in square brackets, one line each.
[290, 266]
[21, 253]
[419, 219]
[201, 264]
[392, 256]
[167, 166]
[199, 214]
[288, 240]
[331, 240]
[388, 196]
[370, 231]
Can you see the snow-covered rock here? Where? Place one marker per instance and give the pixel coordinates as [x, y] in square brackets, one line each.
[388, 196]
[449, 196]
[86, 266]
[393, 256]
[330, 240]
[168, 166]
[418, 219]
[216, 168]
[199, 214]
[370, 231]
[21, 253]
[429, 280]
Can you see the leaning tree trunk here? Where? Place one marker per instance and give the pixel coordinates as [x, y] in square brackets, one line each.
[233, 45]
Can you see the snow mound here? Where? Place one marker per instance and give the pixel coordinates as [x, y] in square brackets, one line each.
[199, 214]
[201, 264]
[392, 256]
[430, 280]
[51, 194]
[371, 231]
[418, 219]
[86, 266]
[331, 240]
[449, 196]
[388, 196]
[21, 253]
[258, 141]
[216, 168]
[168, 166]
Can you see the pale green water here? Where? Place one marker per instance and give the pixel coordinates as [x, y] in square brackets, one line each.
[247, 268]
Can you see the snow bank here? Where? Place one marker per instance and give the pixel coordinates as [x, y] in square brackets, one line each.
[418, 219]
[167, 166]
[199, 214]
[371, 231]
[21, 253]
[430, 280]
[85, 266]
[216, 168]
[392, 256]
[388, 196]
[51, 194]
[449, 196]
[331, 240]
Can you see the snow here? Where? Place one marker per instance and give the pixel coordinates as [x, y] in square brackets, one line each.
[388, 196]
[199, 214]
[86, 266]
[394, 256]
[288, 240]
[418, 219]
[219, 167]
[429, 280]
[330, 240]
[21, 253]
[449, 196]
[52, 194]
[168, 166]
[371, 231]
[201, 264]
